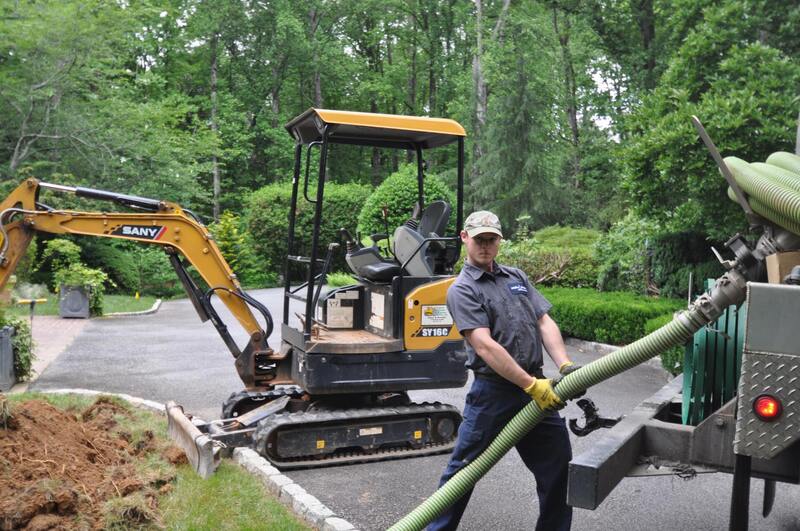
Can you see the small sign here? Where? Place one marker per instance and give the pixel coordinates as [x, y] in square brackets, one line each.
[436, 315]
[377, 430]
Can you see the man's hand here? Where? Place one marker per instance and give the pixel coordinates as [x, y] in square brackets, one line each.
[542, 393]
[567, 367]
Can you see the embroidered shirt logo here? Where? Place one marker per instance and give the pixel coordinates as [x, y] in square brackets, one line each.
[519, 288]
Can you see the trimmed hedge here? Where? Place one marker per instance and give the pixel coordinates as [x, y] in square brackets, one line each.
[267, 220]
[617, 318]
[550, 249]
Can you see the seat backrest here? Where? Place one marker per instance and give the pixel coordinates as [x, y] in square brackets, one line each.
[433, 222]
[434, 219]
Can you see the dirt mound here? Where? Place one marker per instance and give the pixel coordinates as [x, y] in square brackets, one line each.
[65, 471]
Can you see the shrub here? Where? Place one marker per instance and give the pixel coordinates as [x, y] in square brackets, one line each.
[156, 275]
[622, 254]
[77, 274]
[117, 259]
[58, 254]
[339, 279]
[675, 256]
[267, 221]
[22, 346]
[399, 193]
[236, 247]
[617, 318]
[672, 359]
[555, 256]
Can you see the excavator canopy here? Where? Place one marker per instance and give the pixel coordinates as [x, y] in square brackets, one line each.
[372, 129]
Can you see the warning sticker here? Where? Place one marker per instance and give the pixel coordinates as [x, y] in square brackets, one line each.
[376, 317]
[436, 315]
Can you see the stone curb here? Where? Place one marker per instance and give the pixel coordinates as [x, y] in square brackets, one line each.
[602, 349]
[290, 493]
[295, 497]
[153, 309]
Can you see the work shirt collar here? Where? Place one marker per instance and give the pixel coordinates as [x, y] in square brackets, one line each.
[476, 272]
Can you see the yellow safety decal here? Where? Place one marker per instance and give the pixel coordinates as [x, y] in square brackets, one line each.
[320, 444]
[418, 434]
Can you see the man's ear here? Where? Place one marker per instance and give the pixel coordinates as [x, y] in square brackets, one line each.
[464, 236]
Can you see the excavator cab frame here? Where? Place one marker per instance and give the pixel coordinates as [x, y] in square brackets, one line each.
[323, 127]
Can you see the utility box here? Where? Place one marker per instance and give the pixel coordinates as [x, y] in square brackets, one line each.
[8, 376]
[73, 302]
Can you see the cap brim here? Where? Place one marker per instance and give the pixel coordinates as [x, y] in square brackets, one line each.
[483, 230]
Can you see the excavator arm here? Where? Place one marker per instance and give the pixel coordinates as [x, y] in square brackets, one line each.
[160, 223]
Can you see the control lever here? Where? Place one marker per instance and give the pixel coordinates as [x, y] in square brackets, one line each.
[593, 420]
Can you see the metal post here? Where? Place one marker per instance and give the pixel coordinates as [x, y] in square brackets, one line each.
[323, 161]
[298, 158]
[740, 494]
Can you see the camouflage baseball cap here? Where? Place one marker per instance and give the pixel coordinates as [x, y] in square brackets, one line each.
[481, 222]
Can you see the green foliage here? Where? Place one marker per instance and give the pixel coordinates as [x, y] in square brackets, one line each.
[236, 247]
[677, 256]
[555, 256]
[117, 259]
[617, 318]
[94, 280]
[22, 346]
[399, 194]
[60, 253]
[747, 101]
[622, 253]
[156, 275]
[339, 279]
[672, 359]
[267, 221]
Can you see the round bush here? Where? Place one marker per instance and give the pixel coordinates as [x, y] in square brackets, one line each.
[399, 193]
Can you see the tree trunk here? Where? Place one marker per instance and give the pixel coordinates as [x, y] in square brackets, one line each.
[313, 23]
[797, 137]
[571, 90]
[216, 185]
[645, 17]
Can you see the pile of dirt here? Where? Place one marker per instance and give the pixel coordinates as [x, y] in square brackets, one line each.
[61, 470]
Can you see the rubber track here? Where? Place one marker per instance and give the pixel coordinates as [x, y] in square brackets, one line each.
[267, 426]
[293, 391]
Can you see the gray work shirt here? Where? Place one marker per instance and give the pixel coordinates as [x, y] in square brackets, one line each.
[506, 303]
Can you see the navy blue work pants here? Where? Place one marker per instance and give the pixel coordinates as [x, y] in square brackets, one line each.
[545, 450]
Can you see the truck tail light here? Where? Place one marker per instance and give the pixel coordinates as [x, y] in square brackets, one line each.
[767, 407]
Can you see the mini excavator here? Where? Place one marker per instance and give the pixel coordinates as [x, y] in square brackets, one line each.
[336, 389]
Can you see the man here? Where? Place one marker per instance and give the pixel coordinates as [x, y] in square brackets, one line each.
[505, 322]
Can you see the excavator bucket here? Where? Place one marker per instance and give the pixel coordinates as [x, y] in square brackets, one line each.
[201, 450]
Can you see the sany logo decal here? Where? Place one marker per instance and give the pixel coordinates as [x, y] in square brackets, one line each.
[147, 232]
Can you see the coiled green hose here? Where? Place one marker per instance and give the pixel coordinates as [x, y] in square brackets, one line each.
[774, 193]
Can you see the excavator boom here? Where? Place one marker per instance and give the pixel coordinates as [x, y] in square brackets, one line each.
[182, 236]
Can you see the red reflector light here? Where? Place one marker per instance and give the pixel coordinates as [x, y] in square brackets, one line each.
[767, 407]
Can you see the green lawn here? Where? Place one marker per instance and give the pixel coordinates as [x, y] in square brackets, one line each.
[111, 304]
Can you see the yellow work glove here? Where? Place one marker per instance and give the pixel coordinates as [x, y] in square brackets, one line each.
[563, 370]
[567, 367]
[542, 393]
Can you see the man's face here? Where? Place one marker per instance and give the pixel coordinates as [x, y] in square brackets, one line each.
[482, 249]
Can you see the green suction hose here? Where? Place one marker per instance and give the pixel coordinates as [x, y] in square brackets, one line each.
[774, 193]
[676, 332]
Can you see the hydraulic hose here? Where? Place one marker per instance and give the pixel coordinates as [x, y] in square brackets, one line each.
[774, 193]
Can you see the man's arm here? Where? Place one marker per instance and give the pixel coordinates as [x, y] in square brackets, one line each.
[497, 357]
[552, 340]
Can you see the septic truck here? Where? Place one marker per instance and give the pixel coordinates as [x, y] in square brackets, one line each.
[736, 407]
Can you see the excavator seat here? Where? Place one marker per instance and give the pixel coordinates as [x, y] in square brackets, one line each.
[370, 265]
